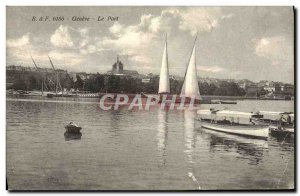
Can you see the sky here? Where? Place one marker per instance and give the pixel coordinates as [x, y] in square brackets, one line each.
[255, 43]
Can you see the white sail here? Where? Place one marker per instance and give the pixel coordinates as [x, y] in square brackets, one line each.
[190, 87]
[164, 82]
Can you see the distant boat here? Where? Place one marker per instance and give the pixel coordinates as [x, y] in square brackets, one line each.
[223, 102]
[44, 93]
[34, 93]
[228, 102]
[85, 94]
[228, 122]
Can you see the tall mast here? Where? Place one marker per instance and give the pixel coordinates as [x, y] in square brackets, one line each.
[56, 84]
[57, 81]
[41, 74]
[42, 86]
[35, 65]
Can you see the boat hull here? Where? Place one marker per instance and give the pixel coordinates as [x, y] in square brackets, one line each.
[284, 129]
[260, 132]
[72, 129]
[72, 136]
[274, 125]
[228, 102]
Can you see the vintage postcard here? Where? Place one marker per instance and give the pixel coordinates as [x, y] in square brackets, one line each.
[150, 98]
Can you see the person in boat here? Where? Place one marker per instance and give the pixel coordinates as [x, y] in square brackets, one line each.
[280, 121]
[73, 124]
[289, 120]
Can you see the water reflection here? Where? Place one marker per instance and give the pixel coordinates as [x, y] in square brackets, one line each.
[162, 134]
[246, 148]
[190, 140]
[115, 122]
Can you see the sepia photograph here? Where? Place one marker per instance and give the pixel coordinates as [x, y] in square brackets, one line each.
[150, 98]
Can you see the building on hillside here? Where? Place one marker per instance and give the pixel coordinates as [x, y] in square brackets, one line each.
[82, 75]
[272, 87]
[244, 84]
[287, 88]
[118, 69]
[263, 83]
[146, 80]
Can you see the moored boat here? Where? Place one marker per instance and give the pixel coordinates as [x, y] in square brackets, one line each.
[261, 132]
[230, 122]
[50, 95]
[277, 121]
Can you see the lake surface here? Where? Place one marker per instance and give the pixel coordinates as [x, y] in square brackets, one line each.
[138, 150]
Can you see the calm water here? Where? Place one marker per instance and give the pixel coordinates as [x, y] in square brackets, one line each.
[161, 150]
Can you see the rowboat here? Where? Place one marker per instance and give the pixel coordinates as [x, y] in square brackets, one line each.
[72, 128]
[72, 136]
[230, 122]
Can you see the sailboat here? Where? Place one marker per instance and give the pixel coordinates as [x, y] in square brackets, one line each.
[190, 88]
[164, 78]
[57, 85]
[164, 81]
[44, 88]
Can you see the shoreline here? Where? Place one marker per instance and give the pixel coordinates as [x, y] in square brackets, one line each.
[204, 97]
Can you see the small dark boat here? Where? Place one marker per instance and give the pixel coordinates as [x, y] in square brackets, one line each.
[216, 101]
[228, 102]
[50, 95]
[72, 128]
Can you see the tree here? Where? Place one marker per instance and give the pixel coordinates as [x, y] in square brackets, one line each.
[79, 82]
[113, 84]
